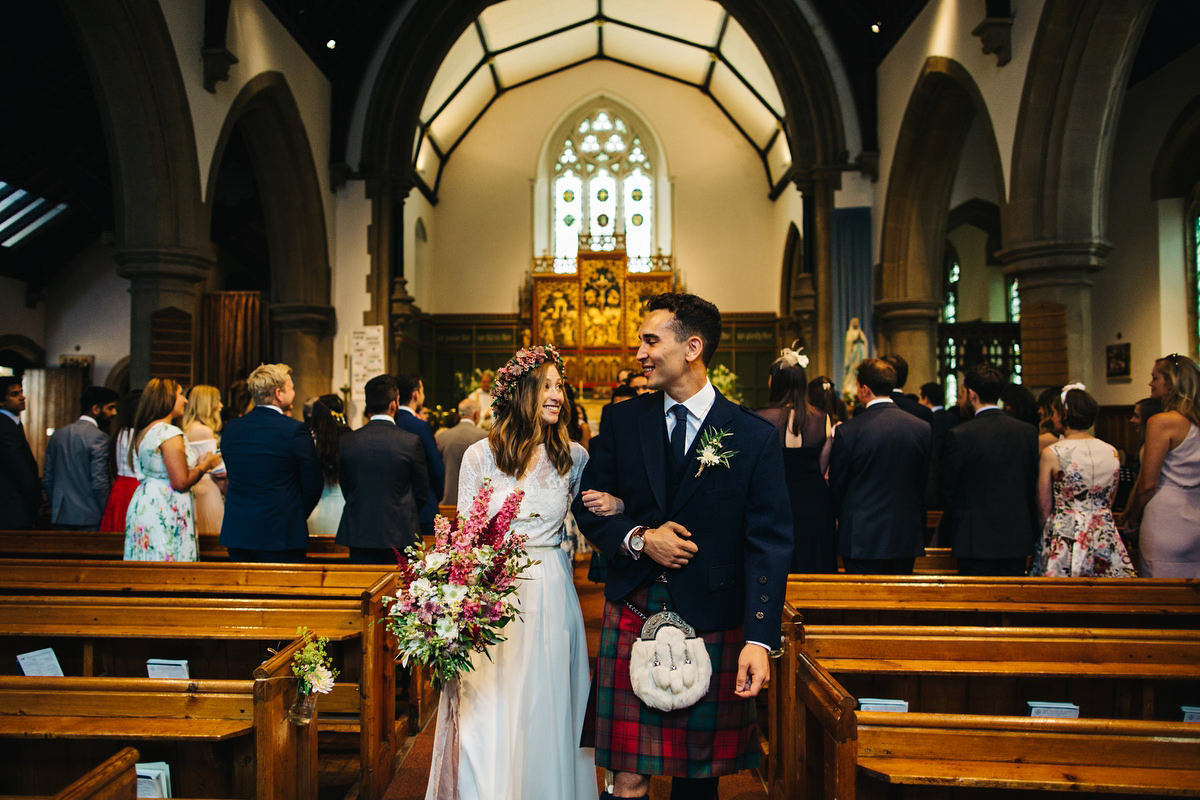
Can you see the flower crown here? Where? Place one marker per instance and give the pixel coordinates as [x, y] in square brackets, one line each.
[793, 357]
[526, 359]
[1069, 387]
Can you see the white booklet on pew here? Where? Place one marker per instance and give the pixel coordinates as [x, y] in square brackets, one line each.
[1044, 708]
[40, 662]
[882, 704]
[153, 779]
[167, 668]
[1190, 713]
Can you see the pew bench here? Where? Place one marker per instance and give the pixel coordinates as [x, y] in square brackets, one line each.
[110, 545]
[114, 779]
[267, 757]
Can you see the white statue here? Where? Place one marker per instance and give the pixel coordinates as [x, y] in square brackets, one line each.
[856, 351]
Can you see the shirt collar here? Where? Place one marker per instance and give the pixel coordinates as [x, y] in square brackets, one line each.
[409, 409]
[89, 418]
[14, 417]
[992, 407]
[382, 418]
[879, 400]
[276, 409]
[698, 405]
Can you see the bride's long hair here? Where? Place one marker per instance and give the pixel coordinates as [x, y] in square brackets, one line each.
[519, 429]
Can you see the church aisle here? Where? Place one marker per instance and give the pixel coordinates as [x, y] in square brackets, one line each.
[413, 771]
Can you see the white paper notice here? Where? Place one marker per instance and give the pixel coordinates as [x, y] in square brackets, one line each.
[40, 662]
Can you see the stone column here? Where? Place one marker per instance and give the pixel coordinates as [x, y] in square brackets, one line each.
[821, 197]
[159, 277]
[301, 332]
[1060, 272]
[908, 328]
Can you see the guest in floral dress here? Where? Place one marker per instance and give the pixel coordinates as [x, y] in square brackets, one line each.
[160, 525]
[1077, 479]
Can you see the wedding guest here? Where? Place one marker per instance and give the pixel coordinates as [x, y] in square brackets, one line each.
[1143, 410]
[903, 401]
[823, 395]
[453, 443]
[121, 472]
[1077, 478]
[537, 679]
[577, 422]
[1019, 402]
[20, 488]
[483, 401]
[1166, 497]
[1049, 417]
[806, 436]
[412, 398]
[327, 424]
[381, 471]
[274, 476]
[201, 428]
[159, 525]
[76, 474]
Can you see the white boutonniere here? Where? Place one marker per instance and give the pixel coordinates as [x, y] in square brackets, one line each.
[709, 452]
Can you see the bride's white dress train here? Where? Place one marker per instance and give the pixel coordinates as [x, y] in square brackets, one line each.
[509, 729]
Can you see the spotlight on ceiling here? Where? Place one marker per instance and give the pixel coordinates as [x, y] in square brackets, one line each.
[332, 43]
[876, 27]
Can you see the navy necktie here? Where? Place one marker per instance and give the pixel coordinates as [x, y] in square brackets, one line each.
[678, 435]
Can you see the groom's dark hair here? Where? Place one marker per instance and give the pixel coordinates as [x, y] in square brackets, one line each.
[694, 316]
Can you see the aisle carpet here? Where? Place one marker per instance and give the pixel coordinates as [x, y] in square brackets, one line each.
[413, 772]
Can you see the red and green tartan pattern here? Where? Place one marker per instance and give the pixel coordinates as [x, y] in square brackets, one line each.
[716, 736]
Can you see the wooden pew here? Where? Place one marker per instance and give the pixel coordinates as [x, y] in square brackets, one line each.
[115, 779]
[111, 546]
[838, 746]
[268, 757]
[353, 617]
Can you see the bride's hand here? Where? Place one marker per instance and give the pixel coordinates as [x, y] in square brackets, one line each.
[602, 504]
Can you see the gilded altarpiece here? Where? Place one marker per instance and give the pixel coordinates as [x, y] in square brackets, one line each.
[594, 315]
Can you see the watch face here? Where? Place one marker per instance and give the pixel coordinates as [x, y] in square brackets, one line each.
[636, 543]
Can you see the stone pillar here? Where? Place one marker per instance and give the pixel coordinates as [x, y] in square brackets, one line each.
[908, 328]
[302, 341]
[159, 277]
[1060, 272]
[821, 197]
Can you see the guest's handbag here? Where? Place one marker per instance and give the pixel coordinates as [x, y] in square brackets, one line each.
[669, 665]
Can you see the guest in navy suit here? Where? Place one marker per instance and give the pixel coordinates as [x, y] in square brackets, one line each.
[709, 541]
[382, 473]
[20, 489]
[877, 472]
[412, 397]
[905, 402]
[274, 476]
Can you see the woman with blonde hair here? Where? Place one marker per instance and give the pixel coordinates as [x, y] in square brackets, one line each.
[1166, 497]
[159, 525]
[201, 428]
[537, 679]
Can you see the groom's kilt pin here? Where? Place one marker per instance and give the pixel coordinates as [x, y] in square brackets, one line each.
[716, 736]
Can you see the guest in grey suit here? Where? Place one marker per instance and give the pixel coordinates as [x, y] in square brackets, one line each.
[76, 475]
[381, 469]
[989, 482]
[453, 442]
[877, 472]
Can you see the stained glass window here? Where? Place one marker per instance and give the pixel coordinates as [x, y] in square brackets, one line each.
[1196, 267]
[603, 187]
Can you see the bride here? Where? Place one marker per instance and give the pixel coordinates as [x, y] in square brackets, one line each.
[510, 728]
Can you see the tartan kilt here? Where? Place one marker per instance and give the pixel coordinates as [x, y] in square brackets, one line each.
[716, 736]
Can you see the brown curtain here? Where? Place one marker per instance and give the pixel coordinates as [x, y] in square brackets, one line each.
[232, 337]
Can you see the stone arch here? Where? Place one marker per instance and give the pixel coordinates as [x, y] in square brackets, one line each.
[26, 350]
[160, 233]
[1177, 165]
[983, 215]
[266, 113]
[944, 104]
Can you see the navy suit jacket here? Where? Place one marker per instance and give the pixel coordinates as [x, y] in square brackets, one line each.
[739, 516]
[381, 470]
[20, 489]
[989, 485]
[878, 467]
[433, 463]
[274, 481]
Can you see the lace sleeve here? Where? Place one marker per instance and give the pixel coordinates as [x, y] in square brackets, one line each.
[471, 474]
[579, 459]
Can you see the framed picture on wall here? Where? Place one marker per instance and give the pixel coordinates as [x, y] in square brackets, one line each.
[1117, 361]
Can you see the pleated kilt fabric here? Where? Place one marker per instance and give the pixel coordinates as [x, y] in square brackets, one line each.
[716, 736]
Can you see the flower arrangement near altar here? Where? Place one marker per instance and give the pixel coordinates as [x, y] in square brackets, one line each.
[726, 382]
[458, 595]
[312, 665]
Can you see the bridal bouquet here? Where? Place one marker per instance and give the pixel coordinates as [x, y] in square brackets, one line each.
[458, 595]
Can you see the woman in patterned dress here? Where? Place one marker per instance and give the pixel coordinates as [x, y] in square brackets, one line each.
[1077, 479]
[159, 525]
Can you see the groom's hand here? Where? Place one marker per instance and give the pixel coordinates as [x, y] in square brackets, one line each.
[754, 666]
[670, 544]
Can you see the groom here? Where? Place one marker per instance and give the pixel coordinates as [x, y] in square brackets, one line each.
[711, 542]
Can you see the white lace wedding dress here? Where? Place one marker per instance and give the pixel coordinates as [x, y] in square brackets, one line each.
[509, 729]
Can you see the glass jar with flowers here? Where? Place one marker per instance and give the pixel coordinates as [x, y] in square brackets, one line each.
[315, 675]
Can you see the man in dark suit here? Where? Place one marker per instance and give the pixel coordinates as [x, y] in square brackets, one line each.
[903, 401]
[453, 442]
[381, 470]
[412, 397]
[76, 474]
[877, 471]
[274, 476]
[711, 541]
[20, 489]
[989, 482]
